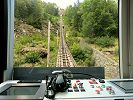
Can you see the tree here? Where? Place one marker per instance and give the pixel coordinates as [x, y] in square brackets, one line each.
[51, 9]
[21, 11]
[36, 12]
[100, 17]
[73, 18]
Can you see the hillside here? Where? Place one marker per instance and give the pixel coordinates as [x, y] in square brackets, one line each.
[30, 48]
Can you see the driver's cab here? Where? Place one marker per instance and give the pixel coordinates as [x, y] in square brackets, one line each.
[36, 78]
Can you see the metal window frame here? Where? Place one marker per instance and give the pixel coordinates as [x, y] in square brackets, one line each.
[125, 41]
[10, 40]
[125, 38]
[131, 38]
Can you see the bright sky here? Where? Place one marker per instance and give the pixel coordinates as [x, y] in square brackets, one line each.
[63, 3]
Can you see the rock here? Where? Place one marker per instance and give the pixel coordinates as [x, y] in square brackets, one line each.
[23, 28]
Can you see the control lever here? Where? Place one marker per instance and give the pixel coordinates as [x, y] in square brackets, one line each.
[57, 84]
[60, 83]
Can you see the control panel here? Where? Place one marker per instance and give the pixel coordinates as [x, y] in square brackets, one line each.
[92, 89]
[88, 89]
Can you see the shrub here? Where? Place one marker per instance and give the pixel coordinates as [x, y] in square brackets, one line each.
[82, 56]
[105, 41]
[71, 40]
[32, 57]
[90, 40]
[36, 40]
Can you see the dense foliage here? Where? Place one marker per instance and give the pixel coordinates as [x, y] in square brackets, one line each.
[36, 12]
[73, 19]
[93, 18]
[105, 41]
[83, 55]
[96, 22]
[32, 57]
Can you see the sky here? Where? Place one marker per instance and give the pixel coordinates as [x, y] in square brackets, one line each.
[63, 3]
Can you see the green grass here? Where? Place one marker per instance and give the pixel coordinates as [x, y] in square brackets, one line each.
[105, 44]
[105, 41]
[82, 54]
[36, 40]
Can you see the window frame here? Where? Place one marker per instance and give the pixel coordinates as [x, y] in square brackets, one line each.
[125, 40]
[10, 40]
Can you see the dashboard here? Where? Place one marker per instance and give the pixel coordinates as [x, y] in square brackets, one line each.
[91, 89]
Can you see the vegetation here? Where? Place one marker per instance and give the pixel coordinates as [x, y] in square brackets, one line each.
[83, 55]
[34, 54]
[93, 18]
[36, 12]
[105, 41]
[100, 17]
[32, 57]
[89, 22]
[96, 21]
[30, 48]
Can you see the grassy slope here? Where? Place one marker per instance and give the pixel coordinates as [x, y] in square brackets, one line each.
[36, 40]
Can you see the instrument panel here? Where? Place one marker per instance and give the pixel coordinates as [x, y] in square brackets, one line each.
[91, 89]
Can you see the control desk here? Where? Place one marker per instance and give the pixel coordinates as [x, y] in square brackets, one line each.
[91, 89]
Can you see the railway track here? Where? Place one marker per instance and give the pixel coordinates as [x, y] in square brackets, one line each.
[64, 57]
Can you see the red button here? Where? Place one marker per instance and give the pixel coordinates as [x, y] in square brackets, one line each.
[97, 91]
[77, 80]
[109, 88]
[91, 82]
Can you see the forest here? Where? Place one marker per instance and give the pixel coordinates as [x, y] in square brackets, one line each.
[92, 23]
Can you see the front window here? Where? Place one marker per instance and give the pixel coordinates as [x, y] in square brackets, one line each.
[82, 33]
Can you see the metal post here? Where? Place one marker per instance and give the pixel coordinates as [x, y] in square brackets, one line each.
[57, 38]
[48, 50]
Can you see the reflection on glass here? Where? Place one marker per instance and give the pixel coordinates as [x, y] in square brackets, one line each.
[20, 90]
